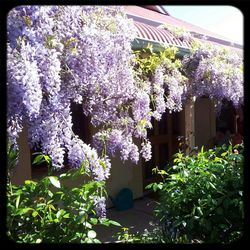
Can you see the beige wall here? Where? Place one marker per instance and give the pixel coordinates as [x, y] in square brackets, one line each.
[204, 121]
[23, 171]
[197, 120]
[124, 175]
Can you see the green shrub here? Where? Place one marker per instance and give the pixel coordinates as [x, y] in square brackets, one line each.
[153, 234]
[201, 196]
[48, 211]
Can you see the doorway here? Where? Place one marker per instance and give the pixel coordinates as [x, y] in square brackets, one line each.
[164, 139]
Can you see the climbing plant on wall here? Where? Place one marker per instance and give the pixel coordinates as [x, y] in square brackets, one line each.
[57, 55]
[213, 71]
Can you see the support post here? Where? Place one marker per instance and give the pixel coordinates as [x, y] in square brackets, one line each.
[190, 125]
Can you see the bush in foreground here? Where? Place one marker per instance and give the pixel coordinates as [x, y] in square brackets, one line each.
[201, 200]
[201, 196]
[48, 211]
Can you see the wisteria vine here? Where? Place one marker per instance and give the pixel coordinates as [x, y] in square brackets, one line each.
[62, 54]
[215, 72]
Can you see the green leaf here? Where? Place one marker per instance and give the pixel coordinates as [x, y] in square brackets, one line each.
[104, 221]
[96, 241]
[17, 201]
[219, 211]
[87, 224]
[199, 210]
[185, 173]
[226, 203]
[163, 172]
[54, 181]
[38, 159]
[35, 213]
[217, 159]
[149, 186]
[28, 182]
[115, 223]
[24, 210]
[66, 216]
[155, 187]
[93, 221]
[184, 223]
[47, 158]
[224, 154]
[51, 207]
[91, 234]
[60, 213]
[212, 185]
[63, 175]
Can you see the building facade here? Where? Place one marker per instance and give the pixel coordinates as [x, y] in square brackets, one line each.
[196, 122]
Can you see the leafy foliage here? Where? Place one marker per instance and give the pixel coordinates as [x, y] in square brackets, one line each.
[201, 196]
[153, 234]
[49, 211]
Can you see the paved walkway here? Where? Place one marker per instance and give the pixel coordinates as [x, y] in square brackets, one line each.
[139, 217]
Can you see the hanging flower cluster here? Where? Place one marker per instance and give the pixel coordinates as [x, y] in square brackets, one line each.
[215, 72]
[161, 77]
[212, 70]
[158, 85]
[63, 54]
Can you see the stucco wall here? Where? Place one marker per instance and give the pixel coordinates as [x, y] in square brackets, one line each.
[124, 175]
[204, 121]
[127, 174]
[23, 171]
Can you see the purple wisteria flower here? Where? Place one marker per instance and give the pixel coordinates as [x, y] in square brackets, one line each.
[215, 72]
[63, 54]
[146, 150]
[100, 206]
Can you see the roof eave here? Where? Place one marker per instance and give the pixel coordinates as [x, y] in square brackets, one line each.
[139, 43]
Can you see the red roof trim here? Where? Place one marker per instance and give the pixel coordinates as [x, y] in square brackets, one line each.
[159, 35]
[147, 32]
[153, 16]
